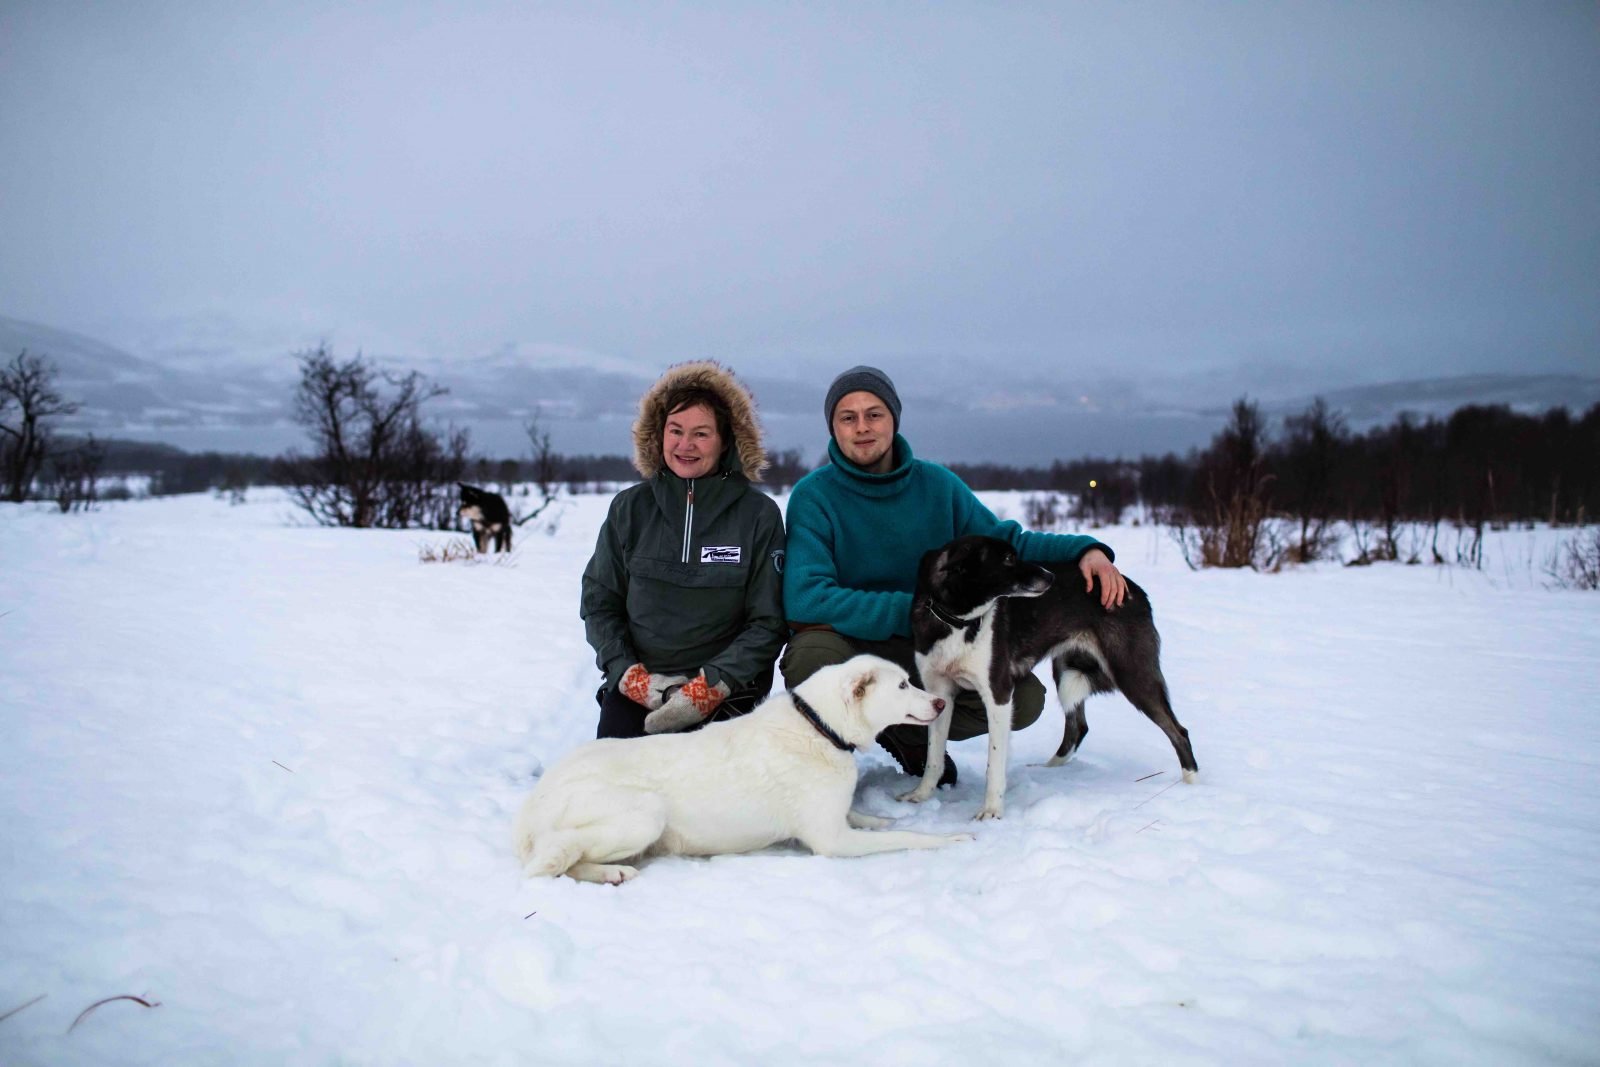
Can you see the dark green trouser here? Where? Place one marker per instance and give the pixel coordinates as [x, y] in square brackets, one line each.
[811, 650]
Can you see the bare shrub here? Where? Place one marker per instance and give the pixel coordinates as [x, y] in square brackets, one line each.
[374, 464]
[1273, 549]
[1361, 536]
[1469, 543]
[1230, 496]
[455, 550]
[461, 550]
[1575, 564]
[1044, 511]
[76, 475]
[546, 477]
[1415, 536]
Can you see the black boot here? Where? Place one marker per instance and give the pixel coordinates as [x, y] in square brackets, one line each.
[913, 755]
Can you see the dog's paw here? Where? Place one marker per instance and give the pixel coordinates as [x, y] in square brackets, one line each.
[916, 796]
[1191, 777]
[605, 873]
[956, 839]
[987, 813]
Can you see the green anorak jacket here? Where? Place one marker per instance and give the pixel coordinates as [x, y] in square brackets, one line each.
[689, 574]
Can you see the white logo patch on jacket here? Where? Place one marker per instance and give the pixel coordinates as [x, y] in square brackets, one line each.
[721, 554]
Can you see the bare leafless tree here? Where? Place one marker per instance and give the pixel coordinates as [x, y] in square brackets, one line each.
[1236, 483]
[373, 461]
[423, 473]
[1230, 494]
[27, 399]
[546, 464]
[1312, 443]
[546, 470]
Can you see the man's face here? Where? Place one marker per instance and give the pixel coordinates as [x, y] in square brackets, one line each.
[864, 429]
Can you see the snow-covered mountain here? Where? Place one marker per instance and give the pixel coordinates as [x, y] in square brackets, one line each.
[1369, 404]
[192, 388]
[121, 394]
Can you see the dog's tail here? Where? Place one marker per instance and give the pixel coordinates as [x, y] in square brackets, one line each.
[544, 851]
[552, 854]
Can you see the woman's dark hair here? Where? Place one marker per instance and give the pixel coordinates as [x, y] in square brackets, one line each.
[687, 396]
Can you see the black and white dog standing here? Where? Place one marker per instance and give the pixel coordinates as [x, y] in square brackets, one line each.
[981, 619]
[489, 515]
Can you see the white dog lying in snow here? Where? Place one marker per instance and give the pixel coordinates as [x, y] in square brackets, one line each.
[786, 770]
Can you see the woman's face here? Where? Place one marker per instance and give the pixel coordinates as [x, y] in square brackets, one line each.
[690, 443]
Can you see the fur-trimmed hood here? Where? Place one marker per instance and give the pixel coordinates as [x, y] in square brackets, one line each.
[747, 453]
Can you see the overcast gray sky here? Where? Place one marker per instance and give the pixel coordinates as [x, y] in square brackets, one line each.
[1146, 190]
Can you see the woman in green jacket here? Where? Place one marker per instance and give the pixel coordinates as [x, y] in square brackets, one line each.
[683, 598]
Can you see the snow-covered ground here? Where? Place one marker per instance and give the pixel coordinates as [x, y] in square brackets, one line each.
[263, 775]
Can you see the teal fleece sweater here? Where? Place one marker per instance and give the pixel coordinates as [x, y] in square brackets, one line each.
[856, 540]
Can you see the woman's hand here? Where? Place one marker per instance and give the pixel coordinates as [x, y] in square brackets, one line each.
[690, 704]
[646, 689]
[1113, 586]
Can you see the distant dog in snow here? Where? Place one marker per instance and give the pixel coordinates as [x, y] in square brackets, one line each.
[981, 618]
[489, 515]
[784, 771]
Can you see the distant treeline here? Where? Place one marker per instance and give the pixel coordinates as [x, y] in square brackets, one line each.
[578, 472]
[1481, 463]
[1486, 461]
[172, 470]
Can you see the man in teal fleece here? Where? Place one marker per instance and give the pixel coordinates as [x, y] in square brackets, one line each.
[858, 528]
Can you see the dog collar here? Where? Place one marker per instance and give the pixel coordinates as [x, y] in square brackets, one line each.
[816, 720]
[969, 627]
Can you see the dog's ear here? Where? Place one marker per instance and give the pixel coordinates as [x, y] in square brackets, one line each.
[858, 685]
[935, 562]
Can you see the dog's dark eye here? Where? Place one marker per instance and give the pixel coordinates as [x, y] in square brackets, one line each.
[905, 685]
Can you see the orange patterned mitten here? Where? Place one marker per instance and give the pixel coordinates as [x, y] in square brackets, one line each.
[689, 705]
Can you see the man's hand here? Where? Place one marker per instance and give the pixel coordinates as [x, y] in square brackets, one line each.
[691, 704]
[1113, 586]
[646, 689]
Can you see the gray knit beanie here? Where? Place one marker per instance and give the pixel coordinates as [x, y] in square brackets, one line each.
[869, 379]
